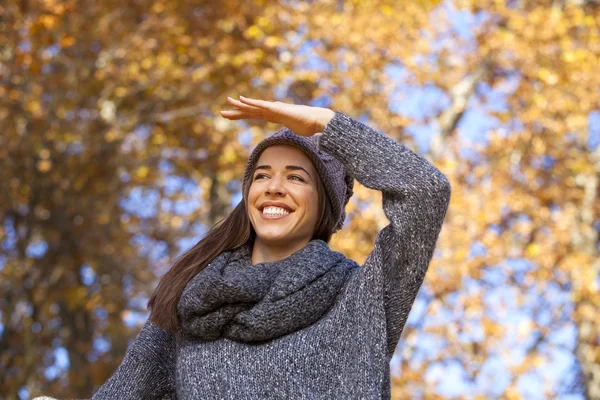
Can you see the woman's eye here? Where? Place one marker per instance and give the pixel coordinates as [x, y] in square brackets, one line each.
[299, 177]
[292, 176]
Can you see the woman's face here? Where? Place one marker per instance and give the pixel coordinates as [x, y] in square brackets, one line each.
[284, 174]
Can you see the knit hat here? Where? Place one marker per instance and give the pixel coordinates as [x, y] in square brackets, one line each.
[338, 182]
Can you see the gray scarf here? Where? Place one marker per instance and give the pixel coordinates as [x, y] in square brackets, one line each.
[249, 303]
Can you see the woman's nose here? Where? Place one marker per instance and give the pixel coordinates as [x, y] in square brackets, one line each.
[275, 186]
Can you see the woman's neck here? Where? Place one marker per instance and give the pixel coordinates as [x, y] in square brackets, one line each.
[267, 252]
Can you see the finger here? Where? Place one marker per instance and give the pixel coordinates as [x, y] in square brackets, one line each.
[240, 105]
[256, 102]
[231, 113]
[246, 111]
[237, 114]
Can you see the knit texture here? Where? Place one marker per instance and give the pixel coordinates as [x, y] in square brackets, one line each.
[339, 184]
[250, 303]
[346, 353]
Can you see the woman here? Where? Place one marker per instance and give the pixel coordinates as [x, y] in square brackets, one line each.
[261, 308]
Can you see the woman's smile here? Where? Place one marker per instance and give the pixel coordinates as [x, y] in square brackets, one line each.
[274, 216]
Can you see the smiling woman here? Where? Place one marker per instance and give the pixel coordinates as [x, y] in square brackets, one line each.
[291, 189]
[261, 307]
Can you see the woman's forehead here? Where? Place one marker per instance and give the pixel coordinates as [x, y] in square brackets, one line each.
[283, 154]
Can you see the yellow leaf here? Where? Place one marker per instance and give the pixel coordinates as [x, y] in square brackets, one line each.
[532, 250]
[142, 172]
[159, 138]
[547, 76]
[176, 222]
[165, 60]
[254, 32]
[120, 91]
[67, 41]
[568, 56]
[200, 73]
[272, 41]
[146, 63]
[48, 21]
[44, 165]
[34, 106]
[229, 154]
[589, 20]
[386, 10]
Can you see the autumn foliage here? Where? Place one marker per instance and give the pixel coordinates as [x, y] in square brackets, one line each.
[114, 158]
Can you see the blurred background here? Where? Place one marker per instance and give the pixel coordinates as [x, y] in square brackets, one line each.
[114, 160]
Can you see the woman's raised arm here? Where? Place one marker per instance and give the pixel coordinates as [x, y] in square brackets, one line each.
[415, 198]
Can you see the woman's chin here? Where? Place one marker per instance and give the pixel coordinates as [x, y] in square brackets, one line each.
[268, 235]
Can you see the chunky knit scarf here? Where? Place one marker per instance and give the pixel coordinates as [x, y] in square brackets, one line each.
[232, 298]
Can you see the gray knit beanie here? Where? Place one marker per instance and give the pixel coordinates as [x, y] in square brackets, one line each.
[338, 183]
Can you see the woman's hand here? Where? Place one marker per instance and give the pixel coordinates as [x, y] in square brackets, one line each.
[302, 120]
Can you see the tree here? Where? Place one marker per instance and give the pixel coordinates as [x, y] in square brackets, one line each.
[114, 156]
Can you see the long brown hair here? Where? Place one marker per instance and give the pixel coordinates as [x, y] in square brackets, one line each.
[229, 233]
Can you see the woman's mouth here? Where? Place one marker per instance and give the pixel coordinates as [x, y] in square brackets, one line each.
[274, 215]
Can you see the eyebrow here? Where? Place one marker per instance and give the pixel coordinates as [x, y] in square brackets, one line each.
[290, 167]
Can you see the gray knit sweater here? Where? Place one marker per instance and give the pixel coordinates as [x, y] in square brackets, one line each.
[346, 353]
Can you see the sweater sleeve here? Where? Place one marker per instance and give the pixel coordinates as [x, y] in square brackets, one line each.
[415, 198]
[147, 370]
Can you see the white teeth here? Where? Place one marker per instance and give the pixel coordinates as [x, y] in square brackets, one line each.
[275, 211]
